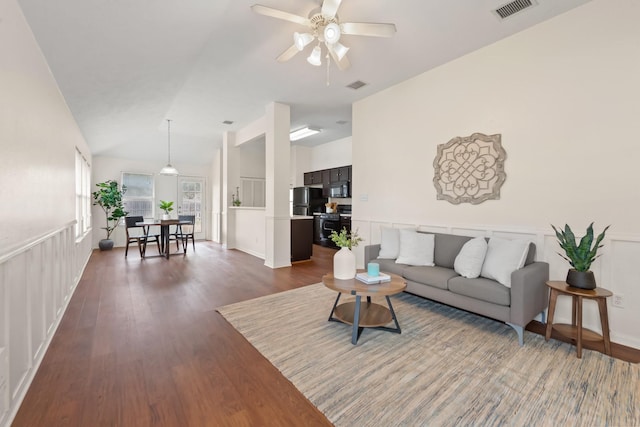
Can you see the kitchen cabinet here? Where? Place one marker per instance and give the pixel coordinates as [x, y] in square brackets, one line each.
[327, 176]
[301, 238]
[341, 174]
[312, 178]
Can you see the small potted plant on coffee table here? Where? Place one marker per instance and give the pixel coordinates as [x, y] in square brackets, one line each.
[344, 261]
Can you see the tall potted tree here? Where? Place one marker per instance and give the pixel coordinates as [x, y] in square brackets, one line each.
[580, 255]
[109, 198]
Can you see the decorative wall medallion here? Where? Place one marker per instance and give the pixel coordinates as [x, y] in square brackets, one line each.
[470, 169]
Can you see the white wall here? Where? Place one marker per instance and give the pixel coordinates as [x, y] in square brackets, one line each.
[250, 233]
[325, 156]
[273, 129]
[38, 136]
[331, 155]
[41, 260]
[166, 188]
[300, 163]
[252, 160]
[216, 197]
[564, 95]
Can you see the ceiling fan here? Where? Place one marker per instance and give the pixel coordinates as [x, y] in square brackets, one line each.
[325, 27]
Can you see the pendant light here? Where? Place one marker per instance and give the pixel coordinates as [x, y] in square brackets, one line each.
[168, 170]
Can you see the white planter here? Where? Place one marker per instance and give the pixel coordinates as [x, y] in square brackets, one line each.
[165, 217]
[344, 264]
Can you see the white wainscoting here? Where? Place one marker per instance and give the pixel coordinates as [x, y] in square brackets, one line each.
[250, 230]
[36, 284]
[616, 270]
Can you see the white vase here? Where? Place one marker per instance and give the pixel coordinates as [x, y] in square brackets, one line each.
[165, 217]
[344, 264]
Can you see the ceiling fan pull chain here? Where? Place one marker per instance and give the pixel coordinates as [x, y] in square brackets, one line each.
[328, 63]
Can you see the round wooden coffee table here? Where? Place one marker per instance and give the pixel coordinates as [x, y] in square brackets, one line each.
[364, 314]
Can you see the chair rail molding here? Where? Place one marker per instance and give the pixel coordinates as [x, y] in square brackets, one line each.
[37, 280]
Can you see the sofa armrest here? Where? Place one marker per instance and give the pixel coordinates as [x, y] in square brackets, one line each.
[529, 292]
[370, 253]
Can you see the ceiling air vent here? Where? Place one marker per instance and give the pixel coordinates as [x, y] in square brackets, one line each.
[228, 122]
[513, 7]
[357, 84]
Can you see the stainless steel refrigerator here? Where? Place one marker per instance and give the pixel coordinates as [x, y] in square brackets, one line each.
[307, 200]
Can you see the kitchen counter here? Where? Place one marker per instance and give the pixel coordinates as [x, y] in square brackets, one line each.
[294, 217]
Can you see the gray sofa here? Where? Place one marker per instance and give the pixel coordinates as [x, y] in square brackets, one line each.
[516, 306]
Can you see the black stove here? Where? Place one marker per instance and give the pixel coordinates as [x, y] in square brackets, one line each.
[326, 223]
[330, 216]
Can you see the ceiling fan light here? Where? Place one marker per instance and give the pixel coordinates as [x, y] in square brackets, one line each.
[315, 57]
[332, 33]
[340, 50]
[301, 40]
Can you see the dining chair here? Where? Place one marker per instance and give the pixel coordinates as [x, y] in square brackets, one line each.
[185, 232]
[138, 234]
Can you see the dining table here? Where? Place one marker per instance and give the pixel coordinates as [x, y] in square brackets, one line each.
[164, 225]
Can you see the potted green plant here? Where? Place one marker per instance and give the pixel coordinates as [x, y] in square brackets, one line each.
[109, 197]
[235, 198]
[167, 207]
[344, 239]
[344, 261]
[580, 255]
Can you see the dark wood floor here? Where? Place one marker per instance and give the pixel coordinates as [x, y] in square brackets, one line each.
[142, 345]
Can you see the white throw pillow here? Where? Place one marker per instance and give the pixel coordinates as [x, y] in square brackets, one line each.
[503, 258]
[469, 261]
[416, 248]
[389, 243]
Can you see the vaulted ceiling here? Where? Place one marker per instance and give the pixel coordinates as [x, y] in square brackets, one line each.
[124, 66]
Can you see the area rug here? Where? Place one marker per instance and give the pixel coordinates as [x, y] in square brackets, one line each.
[448, 367]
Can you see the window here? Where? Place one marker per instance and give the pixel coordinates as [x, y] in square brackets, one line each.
[83, 194]
[138, 197]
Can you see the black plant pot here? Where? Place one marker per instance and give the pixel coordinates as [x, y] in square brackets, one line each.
[105, 244]
[581, 279]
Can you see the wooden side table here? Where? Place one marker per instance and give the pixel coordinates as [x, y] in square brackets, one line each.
[575, 331]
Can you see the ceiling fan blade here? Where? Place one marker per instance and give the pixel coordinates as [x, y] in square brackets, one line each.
[280, 14]
[288, 54]
[330, 7]
[368, 29]
[343, 63]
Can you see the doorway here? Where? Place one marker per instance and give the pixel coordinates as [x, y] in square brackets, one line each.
[191, 201]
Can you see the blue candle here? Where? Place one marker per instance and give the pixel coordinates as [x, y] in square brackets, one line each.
[373, 269]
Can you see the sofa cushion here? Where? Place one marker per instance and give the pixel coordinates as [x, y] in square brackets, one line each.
[469, 261]
[433, 276]
[503, 258]
[415, 248]
[481, 289]
[448, 246]
[389, 243]
[531, 255]
[390, 266]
